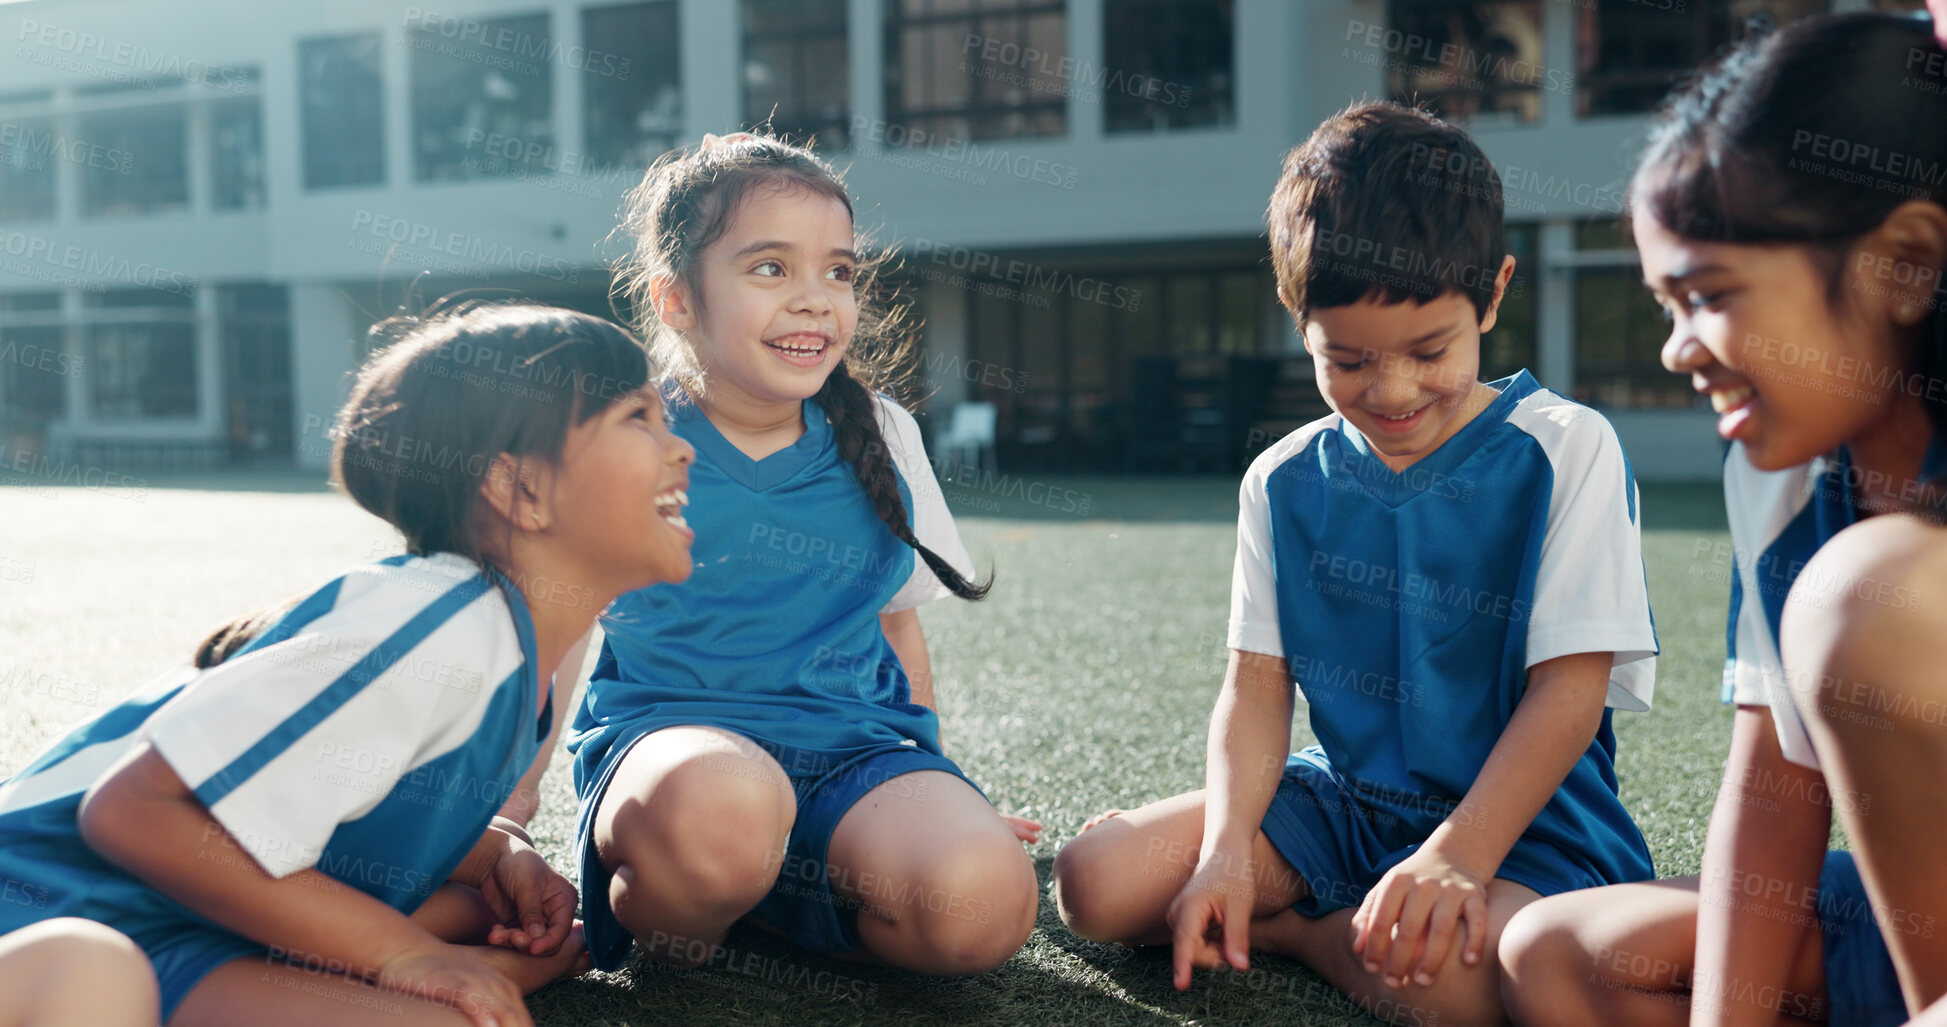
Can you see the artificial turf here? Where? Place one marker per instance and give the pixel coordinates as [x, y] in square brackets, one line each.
[1084, 682]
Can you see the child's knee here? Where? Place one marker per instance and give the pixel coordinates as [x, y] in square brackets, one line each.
[719, 836]
[1087, 888]
[1542, 954]
[975, 909]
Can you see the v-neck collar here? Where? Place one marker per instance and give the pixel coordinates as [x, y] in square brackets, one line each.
[756, 475]
[1396, 487]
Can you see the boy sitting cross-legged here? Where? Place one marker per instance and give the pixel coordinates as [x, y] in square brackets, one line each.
[1452, 574]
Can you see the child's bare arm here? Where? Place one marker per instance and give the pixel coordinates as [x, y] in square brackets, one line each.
[1442, 887]
[142, 817]
[1250, 736]
[1762, 856]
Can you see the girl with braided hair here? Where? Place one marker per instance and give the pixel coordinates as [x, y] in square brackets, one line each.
[760, 742]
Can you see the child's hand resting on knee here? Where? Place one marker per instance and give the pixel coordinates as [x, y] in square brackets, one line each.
[1405, 927]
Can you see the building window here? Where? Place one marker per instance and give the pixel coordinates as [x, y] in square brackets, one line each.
[1630, 55]
[156, 175]
[1619, 330]
[344, 111]
[28, 150]
[34, 365]
[237, 154]
[1464, 60]
[977, 69]
[1167, 64]
[635, 114]
[796, 76]
[482, 104]
[141, 353]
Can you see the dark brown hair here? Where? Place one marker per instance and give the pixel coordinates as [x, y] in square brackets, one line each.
[684, 204]
[1744, 152]
[433, 409]
[1386, 202]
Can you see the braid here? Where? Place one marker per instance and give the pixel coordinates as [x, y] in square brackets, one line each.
[855, 428]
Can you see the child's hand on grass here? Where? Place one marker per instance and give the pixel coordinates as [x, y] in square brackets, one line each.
[1405, 928]
[1210, 920]
[450, 976]
[534, 905]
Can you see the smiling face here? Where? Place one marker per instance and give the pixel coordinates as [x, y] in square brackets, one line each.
[618, 494]
[1788, 376]
[1402, 373]
[769, 307]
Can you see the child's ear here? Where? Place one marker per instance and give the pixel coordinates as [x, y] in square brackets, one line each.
[513, 490]
[674, 305]
[1501, 281]
[1909, 247]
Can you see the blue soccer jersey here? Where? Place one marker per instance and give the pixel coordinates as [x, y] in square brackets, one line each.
[371, 734]
[776, 633]
[1409, 607]
[1778, 520]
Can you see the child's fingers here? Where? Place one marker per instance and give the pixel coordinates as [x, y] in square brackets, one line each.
[1473, 917]
[1375, 935]
[1447, 915]
[1024, 829]
[1408, 935]
[1190, 934]
[1100, 817]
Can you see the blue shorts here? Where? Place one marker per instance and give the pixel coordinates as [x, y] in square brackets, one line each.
[1861, 986]
[1341, 838]
[801, 904]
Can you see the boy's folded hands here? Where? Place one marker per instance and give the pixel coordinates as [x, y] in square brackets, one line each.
[1405, 927]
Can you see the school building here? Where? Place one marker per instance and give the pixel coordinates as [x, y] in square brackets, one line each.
[203, 205]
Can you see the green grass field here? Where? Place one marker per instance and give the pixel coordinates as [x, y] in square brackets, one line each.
[1084, 682]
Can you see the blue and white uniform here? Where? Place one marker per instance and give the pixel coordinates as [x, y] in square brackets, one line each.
[1410, 606]
[371, 734]
[1778, 520]
[775, 636]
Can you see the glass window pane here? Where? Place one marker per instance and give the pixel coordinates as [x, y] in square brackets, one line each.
[35, 373]
[635, 114]
[1141, 325]
[1189, 314]
[1168, 64]
[1618, 335]
[156, 175]
[28, 150]
[1237, 326]
[143, 370]
[344, 111]
[1510, 346]
[482, 103]
[960, 69]
[1469, 59]
[237, 154]
[1632, 54]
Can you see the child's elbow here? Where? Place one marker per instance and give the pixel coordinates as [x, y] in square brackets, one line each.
[117, 816]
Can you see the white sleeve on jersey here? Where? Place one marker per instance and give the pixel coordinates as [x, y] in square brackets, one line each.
[1590, 592]
[1253, 578]
[932, 521]
[286, 742]
[1759, 506]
